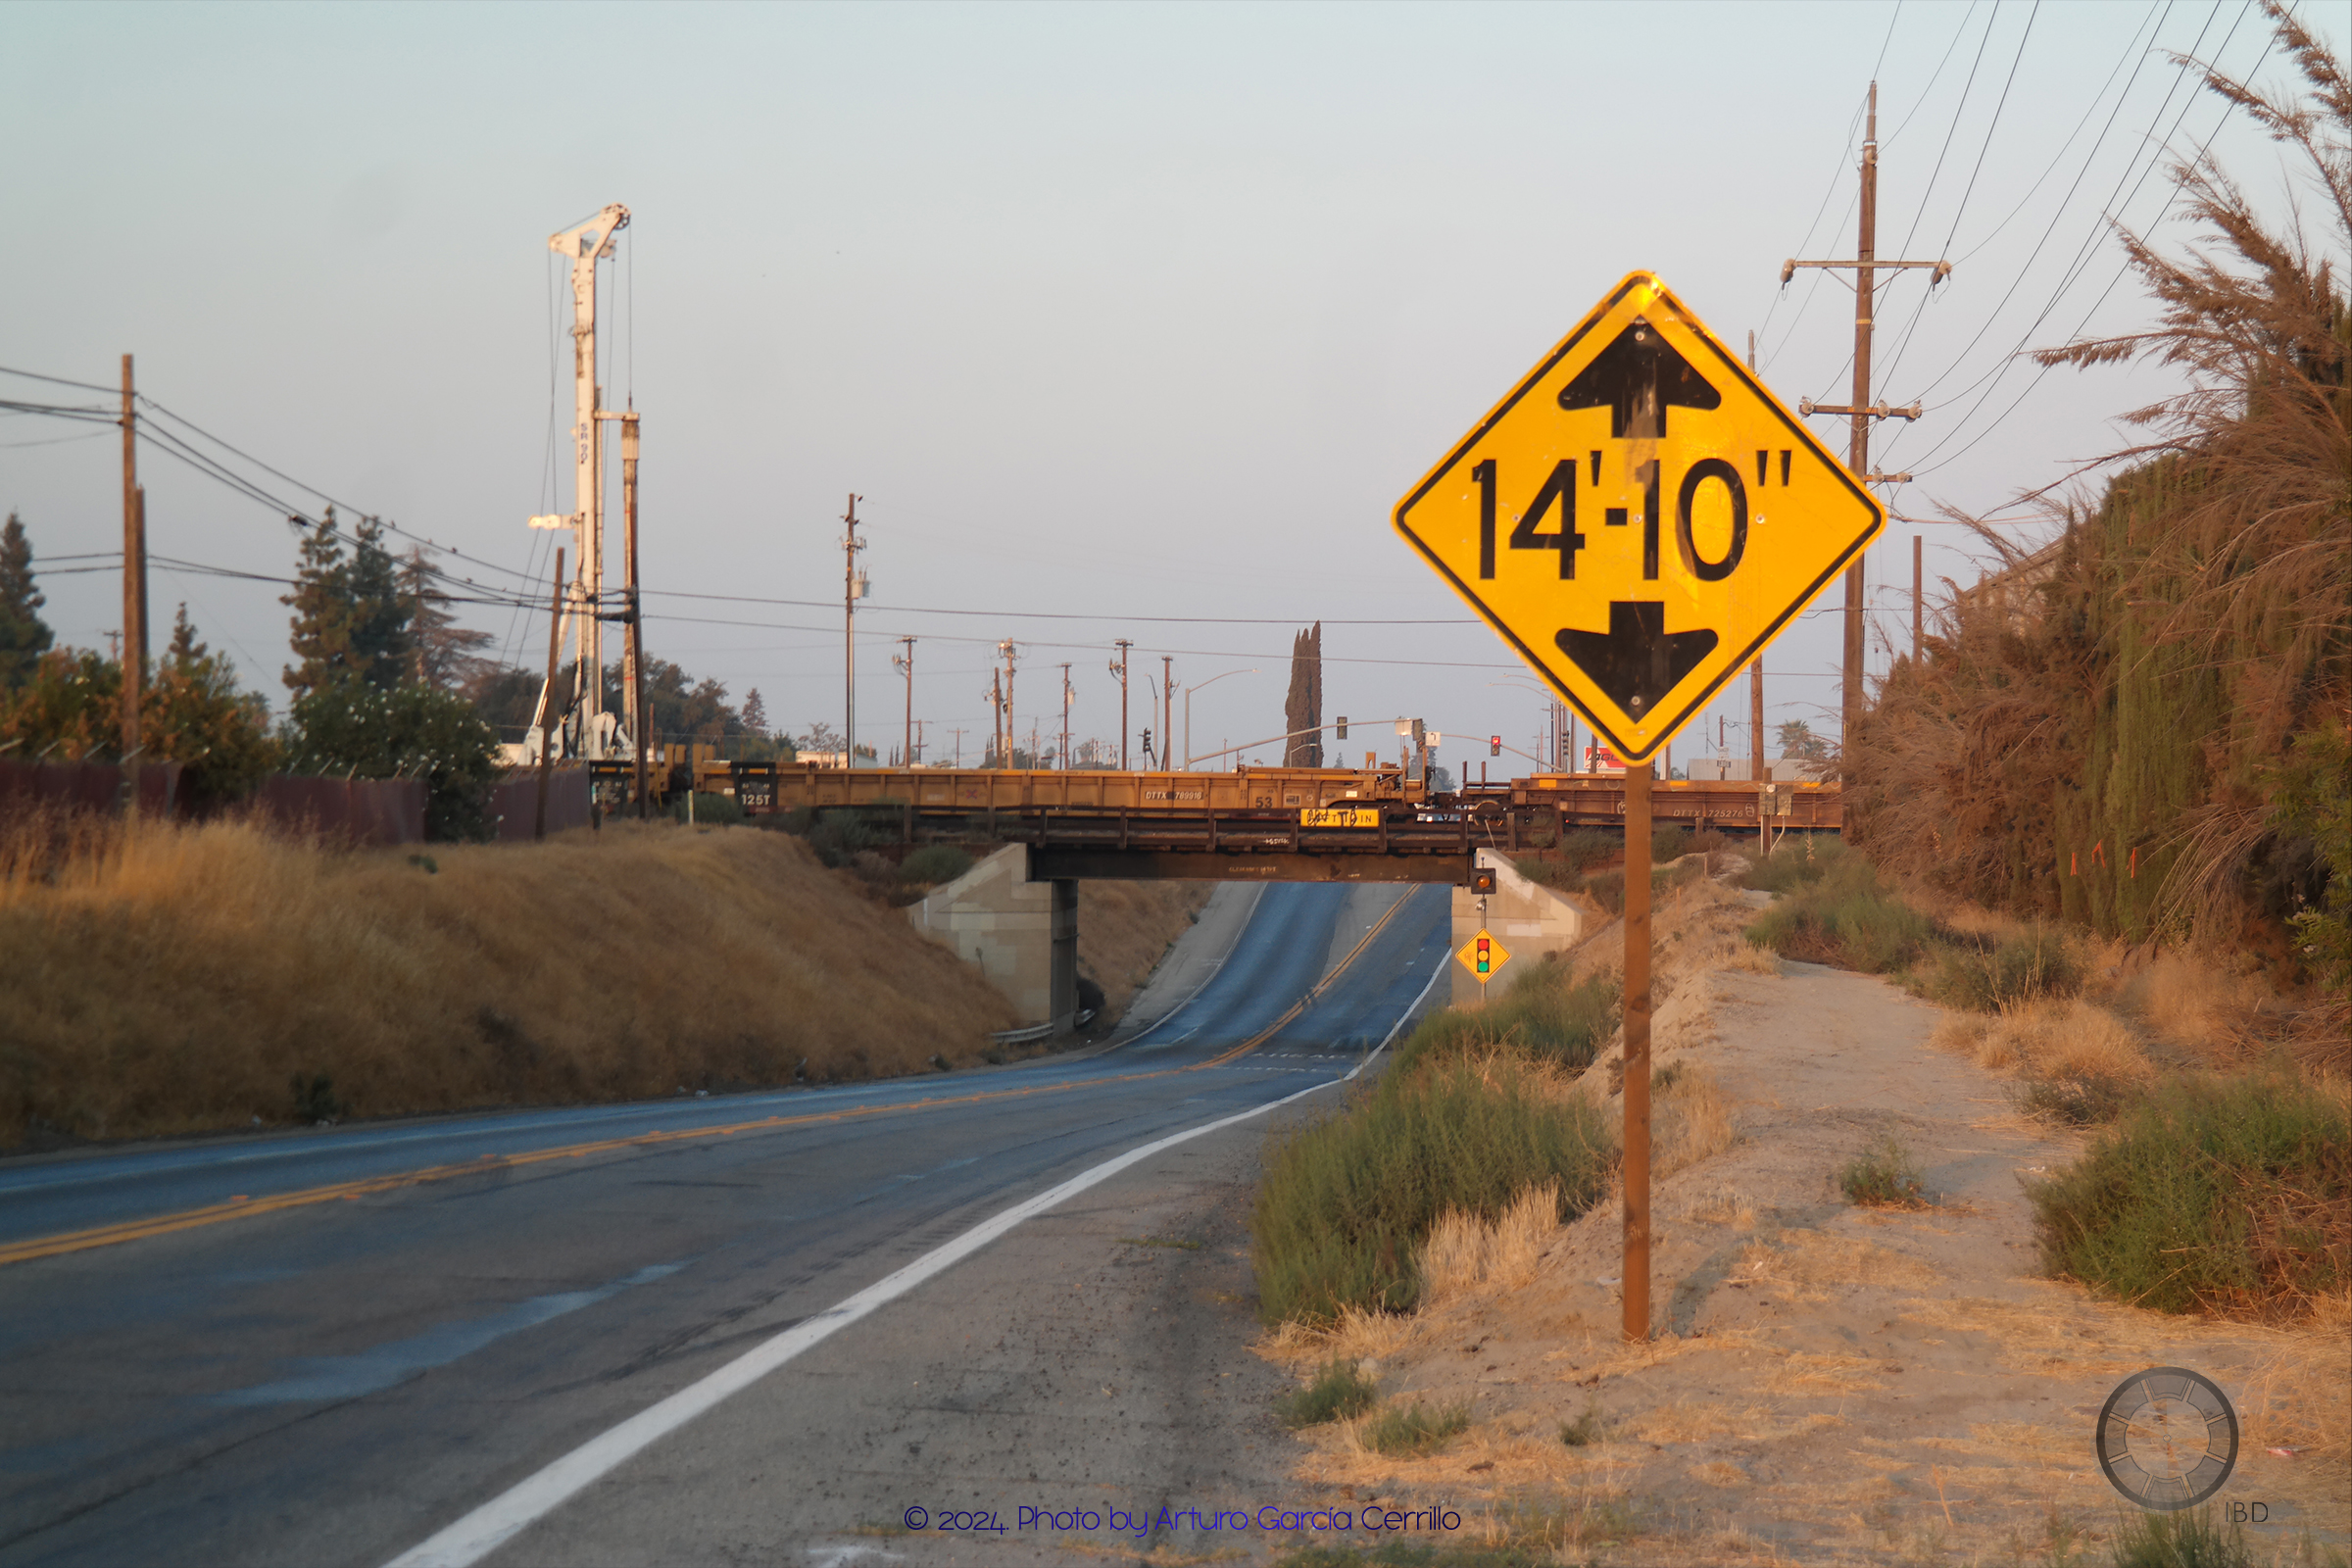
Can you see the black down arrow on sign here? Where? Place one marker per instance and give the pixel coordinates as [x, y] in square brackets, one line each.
[1637, 661]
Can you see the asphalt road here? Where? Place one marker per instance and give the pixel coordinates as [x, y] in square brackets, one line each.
[331, 1348]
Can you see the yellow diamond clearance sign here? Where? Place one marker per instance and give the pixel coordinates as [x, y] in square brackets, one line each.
[1639, 516]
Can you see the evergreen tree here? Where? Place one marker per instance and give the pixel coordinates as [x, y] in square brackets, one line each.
[185, 650]
[443, 653]
[324, 609]
[754, 714]
[23, 635]
[383, 642]
[351, 621]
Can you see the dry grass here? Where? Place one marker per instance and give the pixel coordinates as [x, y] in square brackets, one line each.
[1693, 1118]
[168, 978]
[1125, 928]
[1464, 1254]
[2191, 998]
[2300, 1398]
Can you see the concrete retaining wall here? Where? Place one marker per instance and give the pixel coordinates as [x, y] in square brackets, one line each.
[1528, 918]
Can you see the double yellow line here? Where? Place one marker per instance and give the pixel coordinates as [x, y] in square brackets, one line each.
[351, 1191]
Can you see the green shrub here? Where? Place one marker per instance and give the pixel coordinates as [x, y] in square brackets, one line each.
[2213, 1195]
[1563, 866]
[1882, 1176]
[2192, 1538]
[708, 809]
[2313, 792]
[1542, 1013]
[315, 1100]
[1339, 1390]
[1586, 1428]
[838, 835]
[409, 731]
[1546, 872]
[1668, 844]
[2078, 1100]
[1796, 859]
[1346, 1202]
[935, 863]
[1589, 846]
[1607, 888]
[2035, 962]
[1416, 1429]
[1845, 918]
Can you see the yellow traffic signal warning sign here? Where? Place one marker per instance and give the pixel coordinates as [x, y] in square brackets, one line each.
[1483, 956]
[1639, 516]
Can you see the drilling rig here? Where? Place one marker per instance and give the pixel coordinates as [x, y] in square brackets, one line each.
[583, 729]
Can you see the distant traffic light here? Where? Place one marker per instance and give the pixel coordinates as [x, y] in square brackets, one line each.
[1494, 746]
[1342, 728]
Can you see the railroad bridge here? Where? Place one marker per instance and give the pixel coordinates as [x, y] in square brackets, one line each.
[1255, 824]
[1015, 914]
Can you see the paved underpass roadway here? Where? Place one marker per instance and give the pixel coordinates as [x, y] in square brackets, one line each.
[695, 1330]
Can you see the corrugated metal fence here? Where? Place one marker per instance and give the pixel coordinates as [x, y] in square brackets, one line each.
[358, 811]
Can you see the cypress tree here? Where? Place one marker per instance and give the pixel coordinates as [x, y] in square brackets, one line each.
[23, 635]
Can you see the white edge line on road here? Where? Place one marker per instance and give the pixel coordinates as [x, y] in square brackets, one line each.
[487, 1528]
[1402, 1020]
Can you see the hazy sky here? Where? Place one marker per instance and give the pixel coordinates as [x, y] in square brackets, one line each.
[1108, 312]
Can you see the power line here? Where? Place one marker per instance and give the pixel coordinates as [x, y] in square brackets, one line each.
[2018, 279]
[2067, 284]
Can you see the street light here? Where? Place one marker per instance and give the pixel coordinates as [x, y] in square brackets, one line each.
[1188, 710]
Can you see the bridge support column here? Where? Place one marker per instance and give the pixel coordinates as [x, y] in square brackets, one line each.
[1021, 935]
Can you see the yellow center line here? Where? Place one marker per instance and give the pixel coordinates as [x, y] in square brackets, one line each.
[239, 1208]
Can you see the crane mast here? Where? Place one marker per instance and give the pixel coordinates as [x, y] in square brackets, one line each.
[588, 731]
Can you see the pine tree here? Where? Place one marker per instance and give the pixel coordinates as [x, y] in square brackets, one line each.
[23, 635]
[443, 653]
[754, 714]
[351, 621]
[324, 613]
[185, 651]
[382, 642]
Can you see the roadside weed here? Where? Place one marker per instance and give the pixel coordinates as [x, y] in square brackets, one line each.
[1883, 1176]
[1338, 1392]
[1415, 1428]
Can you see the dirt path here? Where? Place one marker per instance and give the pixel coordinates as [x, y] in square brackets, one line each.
[1828, 1384]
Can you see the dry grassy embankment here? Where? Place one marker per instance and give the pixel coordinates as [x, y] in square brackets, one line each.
[167, 979]
[1125, 928]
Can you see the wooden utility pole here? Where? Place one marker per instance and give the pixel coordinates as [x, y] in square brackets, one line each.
[1858, 441]
[1861, 412]
[1637, 1051]
[849, 592]
[1755, 718]
[1168, 698]
[635, 646]
[1916, 622]
[1120, 670]
[1004, 756]
[547, 708]
[1065, 718]
[134, 571]
[906, 664]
